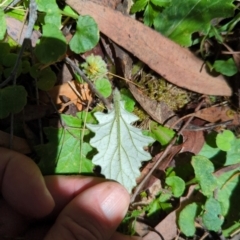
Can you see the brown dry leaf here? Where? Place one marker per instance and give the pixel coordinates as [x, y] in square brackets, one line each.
[57, 92]
[19, 144]
[192, 141]
[174, 63]
[158, 111]
[216, 114]
[16, 29]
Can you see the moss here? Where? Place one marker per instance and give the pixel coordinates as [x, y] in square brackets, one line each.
[159, 89]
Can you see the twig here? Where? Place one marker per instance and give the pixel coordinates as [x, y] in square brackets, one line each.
[27, 39]
[91, 85]
[12, 4]
[163, 155]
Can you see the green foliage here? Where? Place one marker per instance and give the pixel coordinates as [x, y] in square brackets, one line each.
[119, 144]
[211, 216]
[12, 100]
[179, 21]
[160, 133]
[224, 140]
[227, 68]
[86, 36]
[127, 97]
[186, 219]
[221, 207]
[52, 45]
[104, 87]
[150, 7]
[177, 185]
[206, 179]
[2, 24]
[96, 69]
[68, 150]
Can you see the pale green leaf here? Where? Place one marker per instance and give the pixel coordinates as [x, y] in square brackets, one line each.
[67, 151]
[104, 87]
[138, 6]
[12, 100]
[227, 68]
[225, 140]
[186, 219]
[119, 144]
[233, 155]
[177, 185]
[52, 45]
[181, 19]
[211, 216]
[2, 24]
[204, 169]
[86, 36]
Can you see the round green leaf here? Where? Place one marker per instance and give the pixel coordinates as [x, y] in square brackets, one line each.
[129, 101]
[46, 79]
[224, 140]
[177, 185]
[227, 68]
[104, 87]
[186, 219]
[52, 45]
[211, 218]
[12, 100]
[86, 36]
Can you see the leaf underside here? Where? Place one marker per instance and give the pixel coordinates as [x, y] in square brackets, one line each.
[119, 144]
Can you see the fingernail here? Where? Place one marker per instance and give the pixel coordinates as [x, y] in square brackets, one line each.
[114, 201]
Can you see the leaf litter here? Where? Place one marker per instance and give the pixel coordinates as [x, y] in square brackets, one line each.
[74, 137]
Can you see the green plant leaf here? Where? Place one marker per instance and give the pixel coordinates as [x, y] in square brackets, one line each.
[52, 45]
[104, 87]
[138, 6]
[179, 21]
[177, 185]
[210, 217]
[204, 169]
[119, 144]
[46, 79]
[225, 140]
[227, 68]
[148, 15]
[53, 15]
[86, 36]
[3, 24]
[12, 100]
[160, 133]
[128, 99]
[186, 219]
[233, 155]
[67, 151]
[161, 3]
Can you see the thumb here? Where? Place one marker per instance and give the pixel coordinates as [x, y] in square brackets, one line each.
[93, 215]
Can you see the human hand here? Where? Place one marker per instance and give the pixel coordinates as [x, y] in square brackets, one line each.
[79, 207]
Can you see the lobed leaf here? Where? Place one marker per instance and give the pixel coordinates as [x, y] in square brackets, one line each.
[179, 21]
[119, 144]
[177, 185]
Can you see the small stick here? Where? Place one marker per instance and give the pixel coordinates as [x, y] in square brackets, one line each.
[163, 155]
